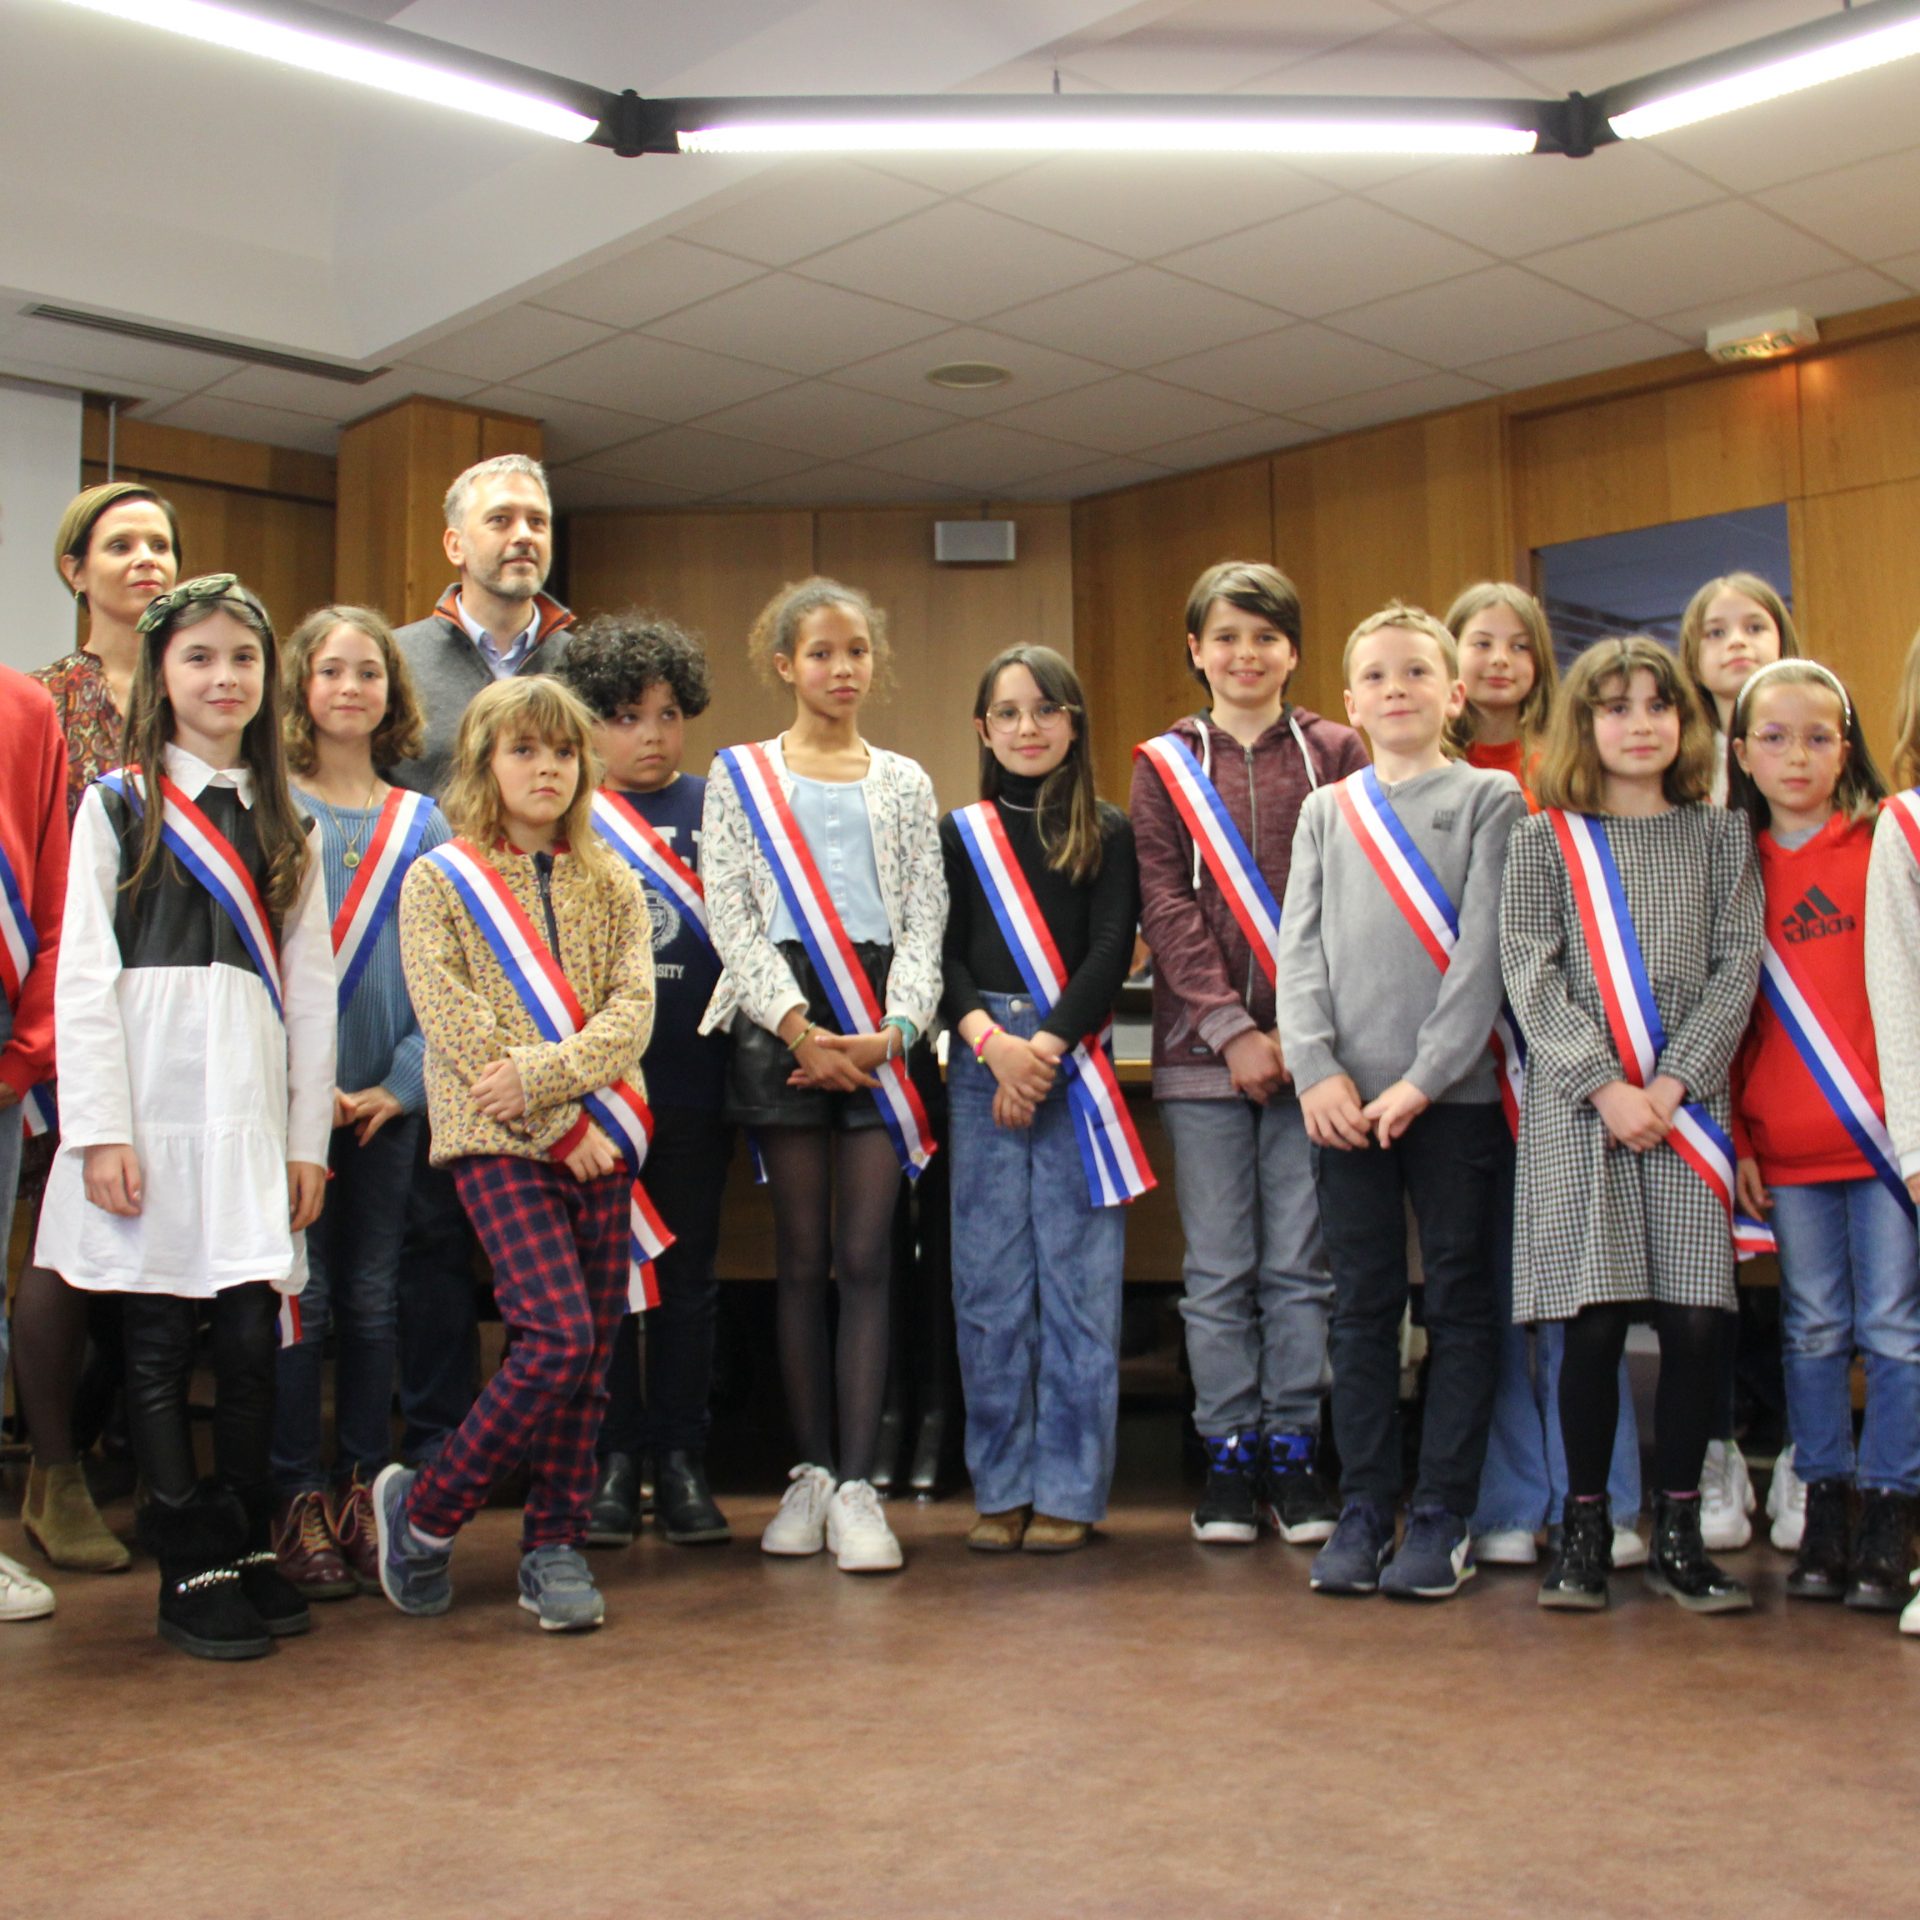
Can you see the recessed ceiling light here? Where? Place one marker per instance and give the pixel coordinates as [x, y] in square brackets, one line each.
[969, 376]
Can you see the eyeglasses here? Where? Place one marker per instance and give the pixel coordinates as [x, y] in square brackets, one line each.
[209, 586]
[1006, 717]
[1818, 741]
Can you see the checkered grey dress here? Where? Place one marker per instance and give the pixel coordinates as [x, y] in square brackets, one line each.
[1593, 1220]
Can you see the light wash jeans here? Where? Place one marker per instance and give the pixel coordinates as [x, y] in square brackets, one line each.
[1036, 1295]
[1850, 1279]
[1258, 1290]
[12, 1136]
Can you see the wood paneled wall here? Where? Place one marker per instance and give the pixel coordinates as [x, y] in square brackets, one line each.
[714, 571]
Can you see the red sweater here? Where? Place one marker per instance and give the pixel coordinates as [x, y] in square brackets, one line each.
[1817, 914]
[1507, 756]
[33, 832]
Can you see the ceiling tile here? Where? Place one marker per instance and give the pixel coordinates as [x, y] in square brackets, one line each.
[335, 399]
[1514, 207]
[157, 400]
[1097, 476]
[575, 489]
[1429, 394]
[1822, 295]
[1711, 252]
[799, 208]
[659, 378]
[1408, 58]
[1266, 434]
[1568, 359]
[507, 344]
[949, 172]
[1291, 367]
[1135, 318]
[784, 321]
[572, 430]
[1871, 209]
[981, 457]
[960, 260]
[642, 285]
[105, 358]
[1148, 206]
[1906, 269]
[703, 462]
[1504, 310]
[841, 485]
[1327, 257]
[1037, 371]
[1124, 414]
[817, 418]
[201, 413]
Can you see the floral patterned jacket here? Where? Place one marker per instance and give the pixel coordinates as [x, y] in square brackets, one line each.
[742, 895]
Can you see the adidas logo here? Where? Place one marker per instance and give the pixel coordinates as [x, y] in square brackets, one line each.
[1814, 917]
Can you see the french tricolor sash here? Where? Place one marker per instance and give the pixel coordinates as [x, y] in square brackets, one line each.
[209, 856]
[1414, 887]
[641, 845]
[1633, 1018]
[375, 891]
[1905, 808]
[1836, 1066]
[19, 943]
[1110, 1150]
[548, 996]
[38, 1110]
[786, 851]
[1197, 801]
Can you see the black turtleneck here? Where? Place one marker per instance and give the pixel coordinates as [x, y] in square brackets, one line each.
[1092, 925]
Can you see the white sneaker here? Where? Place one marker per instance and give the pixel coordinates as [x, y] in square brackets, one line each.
[800, 1527]
[857, 1532]
[1787, 1506]
[22, 1597]
[1910, 1620]
[1506, 1547]
[1629, 1550]
[1726, 1498]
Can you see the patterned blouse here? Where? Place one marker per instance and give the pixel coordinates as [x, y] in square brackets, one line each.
[88, 718]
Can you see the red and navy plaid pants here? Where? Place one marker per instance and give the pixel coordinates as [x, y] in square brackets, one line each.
[559, 1253]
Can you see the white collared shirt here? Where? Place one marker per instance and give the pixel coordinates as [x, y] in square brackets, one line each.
[502, 664]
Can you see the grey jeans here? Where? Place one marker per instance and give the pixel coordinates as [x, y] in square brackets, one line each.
[1258, 1293]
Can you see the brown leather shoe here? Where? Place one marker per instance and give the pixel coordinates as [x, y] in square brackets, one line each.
[1048, 1535]
[350, 1516]
[999, 1532]
[305, 1551]
[59, 1517]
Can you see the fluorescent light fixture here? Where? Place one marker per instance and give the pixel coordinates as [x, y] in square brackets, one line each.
[1679, 99]
[346, 55]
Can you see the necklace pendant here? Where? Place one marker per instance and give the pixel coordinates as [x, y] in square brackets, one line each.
[350, 859]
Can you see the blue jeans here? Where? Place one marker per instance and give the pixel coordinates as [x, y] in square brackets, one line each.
[1036, 1295]
[353, 1277]
[1850, 1278]
[12, 1135]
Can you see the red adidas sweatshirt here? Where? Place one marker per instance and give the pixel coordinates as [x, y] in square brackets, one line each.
[1817, 914]
[33, 835]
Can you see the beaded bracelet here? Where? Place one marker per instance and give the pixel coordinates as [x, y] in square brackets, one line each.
[980, 1045]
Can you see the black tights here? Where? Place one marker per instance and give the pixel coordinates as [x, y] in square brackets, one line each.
[160, 1333]
[49, 1346]
[1691, 1351]
[833, 1204]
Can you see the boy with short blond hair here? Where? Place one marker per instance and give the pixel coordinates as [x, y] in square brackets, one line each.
[1389, 991]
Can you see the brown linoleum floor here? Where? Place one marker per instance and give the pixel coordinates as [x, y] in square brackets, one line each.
[1148, 1728]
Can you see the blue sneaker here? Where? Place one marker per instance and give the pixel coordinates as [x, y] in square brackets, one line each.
[1351, 1561]
[413, 1578]
[1228, 1513]
[1435, 1558]
[556, 1585]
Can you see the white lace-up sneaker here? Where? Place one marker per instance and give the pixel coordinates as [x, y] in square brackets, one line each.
[22, 1597]
[1787, 1506]
[800, 1527]
[1506, 1547]
[1910, 1620]
[1726, 1498]
[857, 1532]
[1629, 1550]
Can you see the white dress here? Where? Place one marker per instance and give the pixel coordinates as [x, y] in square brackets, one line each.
[191, 1066]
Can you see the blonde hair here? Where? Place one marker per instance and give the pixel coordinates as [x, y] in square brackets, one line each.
[1538, 704]
[1693, 623]
[1415, 620]
[403, 727]
[74, 535]
[1906, 720]
[1859, 789]
[1570, 774]
[535, 705]
[776, 629]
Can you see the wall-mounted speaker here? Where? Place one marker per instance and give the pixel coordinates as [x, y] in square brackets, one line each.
[973, 543]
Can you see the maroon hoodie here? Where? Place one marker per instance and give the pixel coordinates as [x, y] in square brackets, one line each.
[1207, 987]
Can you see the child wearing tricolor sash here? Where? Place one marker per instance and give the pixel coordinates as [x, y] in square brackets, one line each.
[351, 716]
[1044, 899]
[1630, 938]
[644, 678]
[195, 1025]
[827, 902]
[530, 962]
[1389, 996]
[1214, 804]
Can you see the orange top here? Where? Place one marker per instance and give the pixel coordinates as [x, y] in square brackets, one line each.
[1507, 757]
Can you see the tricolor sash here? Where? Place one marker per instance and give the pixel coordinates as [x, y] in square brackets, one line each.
[375, 891]
[534, 973]
[38, 1111]
[1905, 808]
[1836, 1066]
[19, 943]
[1110, 1150]
[1633, 1019]
[1414, 887]
[641, 845]
[785, 849]
[210, 857]
[1197, 801]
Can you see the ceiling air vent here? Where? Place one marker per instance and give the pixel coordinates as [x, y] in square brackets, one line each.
[205, 343]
